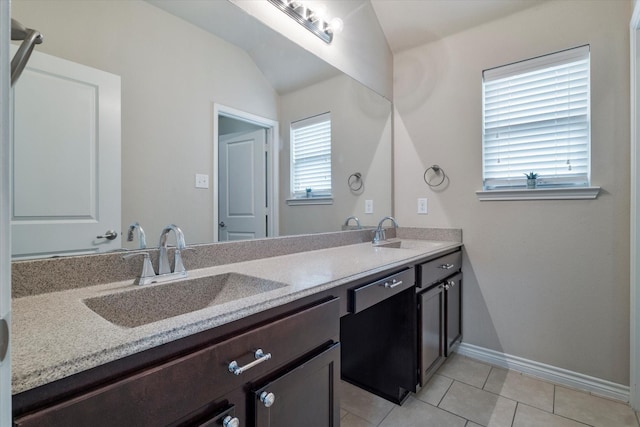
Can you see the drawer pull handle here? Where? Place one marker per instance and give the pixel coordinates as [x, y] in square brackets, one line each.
[267, 399]
[393, 284]
[446, 266]
[260, 357]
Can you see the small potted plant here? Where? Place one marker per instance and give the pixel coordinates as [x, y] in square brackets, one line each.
[308, 190]
[531, 179]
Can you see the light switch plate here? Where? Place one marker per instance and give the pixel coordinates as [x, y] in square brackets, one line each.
[368, 206]
[202, 180]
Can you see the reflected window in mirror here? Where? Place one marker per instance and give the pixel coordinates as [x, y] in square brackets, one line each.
[311, 157]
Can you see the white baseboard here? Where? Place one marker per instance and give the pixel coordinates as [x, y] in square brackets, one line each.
[547, 372]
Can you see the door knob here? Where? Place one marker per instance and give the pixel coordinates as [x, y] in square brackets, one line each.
[109, 235]
[222, 224]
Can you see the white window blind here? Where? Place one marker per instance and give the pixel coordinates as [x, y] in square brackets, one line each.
[311, 156]
[536, 119]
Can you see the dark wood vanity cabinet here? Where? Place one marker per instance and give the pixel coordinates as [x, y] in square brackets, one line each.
[439, 311]
[298, 377]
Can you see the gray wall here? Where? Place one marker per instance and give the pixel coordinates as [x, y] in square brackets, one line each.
[544, 280]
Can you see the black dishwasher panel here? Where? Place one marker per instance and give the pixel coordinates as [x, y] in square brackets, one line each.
[379, 348]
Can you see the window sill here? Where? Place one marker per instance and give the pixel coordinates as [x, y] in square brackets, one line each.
[310, 201]
[578, 193]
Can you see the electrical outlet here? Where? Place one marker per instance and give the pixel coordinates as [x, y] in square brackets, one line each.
[368, 206]
[422, 206]
[202, 180]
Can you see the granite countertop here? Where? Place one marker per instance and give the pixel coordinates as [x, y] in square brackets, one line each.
[55, 335]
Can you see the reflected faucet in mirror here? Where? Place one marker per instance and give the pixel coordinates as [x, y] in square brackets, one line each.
[379, 235]
[355, 218]
[142, 239]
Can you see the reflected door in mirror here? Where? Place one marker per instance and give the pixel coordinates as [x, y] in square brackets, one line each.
[66, 159]
[242, 186]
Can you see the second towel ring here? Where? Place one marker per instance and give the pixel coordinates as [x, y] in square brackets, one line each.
[355, 181]
[437, 170]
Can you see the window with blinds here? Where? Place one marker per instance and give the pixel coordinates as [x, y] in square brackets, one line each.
[536, 119]
[311, 156]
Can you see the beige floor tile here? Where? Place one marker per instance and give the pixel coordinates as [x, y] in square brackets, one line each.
[434, 390]
[343, 413]
[472, 424]
[593, 410]
[528, 416]
[351, 420]
[478, 406]
[465, 370]
[522, 388]
[364, 404]
[416, 413]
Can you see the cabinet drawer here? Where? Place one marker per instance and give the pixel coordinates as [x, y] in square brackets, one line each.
[165, 393]
[433, 271]
[368, 295]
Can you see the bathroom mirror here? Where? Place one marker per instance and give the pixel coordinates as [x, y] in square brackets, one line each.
[187, 68]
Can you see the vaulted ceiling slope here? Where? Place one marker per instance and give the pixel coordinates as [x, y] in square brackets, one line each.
[411, 23]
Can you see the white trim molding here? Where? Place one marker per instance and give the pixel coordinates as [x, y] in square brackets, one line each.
[577, 193]
[634, 285]
[550, 373]
[310, 201]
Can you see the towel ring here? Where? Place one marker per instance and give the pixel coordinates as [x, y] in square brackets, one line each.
[353, 181]
[437, 170]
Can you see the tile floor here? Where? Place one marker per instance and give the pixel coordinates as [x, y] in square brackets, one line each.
[468, 393]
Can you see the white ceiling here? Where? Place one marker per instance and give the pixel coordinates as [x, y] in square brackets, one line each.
[410, 23]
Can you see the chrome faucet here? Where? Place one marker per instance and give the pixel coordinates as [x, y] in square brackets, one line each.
[148, 275]
[142, 239]
[355, 218]
[164, 267]
[380, 235]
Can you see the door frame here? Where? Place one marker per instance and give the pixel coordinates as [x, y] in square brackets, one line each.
[634, 380]
[273, 132]
[5, 208]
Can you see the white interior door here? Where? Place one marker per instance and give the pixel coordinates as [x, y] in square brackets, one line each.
[242, 194]
[65, 159]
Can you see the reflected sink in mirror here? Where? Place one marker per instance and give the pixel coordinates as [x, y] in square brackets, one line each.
[151, 303]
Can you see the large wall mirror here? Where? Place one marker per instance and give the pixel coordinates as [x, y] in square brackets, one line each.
[197, 77]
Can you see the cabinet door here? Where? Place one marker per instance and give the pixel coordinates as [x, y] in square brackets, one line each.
[306, 395]
[431, 345]
[453, 297]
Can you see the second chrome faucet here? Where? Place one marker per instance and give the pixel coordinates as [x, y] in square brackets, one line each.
[379, 235]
